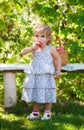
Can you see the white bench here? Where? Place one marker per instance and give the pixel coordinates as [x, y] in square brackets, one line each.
[9, 72]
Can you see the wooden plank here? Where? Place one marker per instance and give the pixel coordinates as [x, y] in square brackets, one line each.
[20, 67]
[12, 67]
[73, 67]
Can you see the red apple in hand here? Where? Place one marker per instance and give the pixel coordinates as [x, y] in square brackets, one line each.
[39, 44]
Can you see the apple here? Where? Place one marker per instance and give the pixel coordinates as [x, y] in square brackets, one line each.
[60, 48]
[39, 44]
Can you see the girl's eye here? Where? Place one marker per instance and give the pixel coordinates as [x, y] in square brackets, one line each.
[36, 35]
[42, 36]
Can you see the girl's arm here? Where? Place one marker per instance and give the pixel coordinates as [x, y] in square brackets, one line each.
[57, 60]
[27, 50]
[30, 49]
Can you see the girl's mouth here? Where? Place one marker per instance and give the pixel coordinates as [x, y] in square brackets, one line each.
[39, 44]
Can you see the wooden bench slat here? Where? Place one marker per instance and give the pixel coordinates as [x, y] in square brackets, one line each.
[20, 67]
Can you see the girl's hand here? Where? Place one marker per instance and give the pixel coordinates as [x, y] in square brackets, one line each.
[57, 75]
[37, 45]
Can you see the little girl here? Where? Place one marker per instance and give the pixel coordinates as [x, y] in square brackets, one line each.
[39, 85]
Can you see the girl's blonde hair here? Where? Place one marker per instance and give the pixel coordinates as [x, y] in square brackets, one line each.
[43, 28]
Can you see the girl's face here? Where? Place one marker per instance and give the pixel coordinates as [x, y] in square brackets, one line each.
[40, 37]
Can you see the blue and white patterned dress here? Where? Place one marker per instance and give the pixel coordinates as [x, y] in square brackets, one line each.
[39, 84]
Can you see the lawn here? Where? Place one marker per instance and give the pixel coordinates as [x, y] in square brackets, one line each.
[65, 116]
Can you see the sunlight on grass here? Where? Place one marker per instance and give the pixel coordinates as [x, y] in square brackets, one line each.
[11, 121]
[67, 127]
[10, 117]
[63, 118]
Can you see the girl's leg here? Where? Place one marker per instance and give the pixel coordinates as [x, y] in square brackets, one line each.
[35, 106]
[35, 112]
[48, 106]
[47, 111]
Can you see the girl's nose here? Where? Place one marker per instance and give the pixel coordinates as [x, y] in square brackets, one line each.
[39, 38]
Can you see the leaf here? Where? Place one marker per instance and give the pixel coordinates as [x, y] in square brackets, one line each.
[2, 24]
[17, 2]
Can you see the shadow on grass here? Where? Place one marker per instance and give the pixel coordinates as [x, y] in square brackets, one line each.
[65, 116]
[12, 125]
[69, 107]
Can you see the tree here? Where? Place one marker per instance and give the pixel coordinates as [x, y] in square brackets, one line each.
[17, 19]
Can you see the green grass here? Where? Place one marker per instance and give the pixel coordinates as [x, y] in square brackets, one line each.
[65, 116]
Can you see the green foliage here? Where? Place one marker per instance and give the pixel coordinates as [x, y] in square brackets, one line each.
[70, 86]
[17, 19]
[66, 17]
